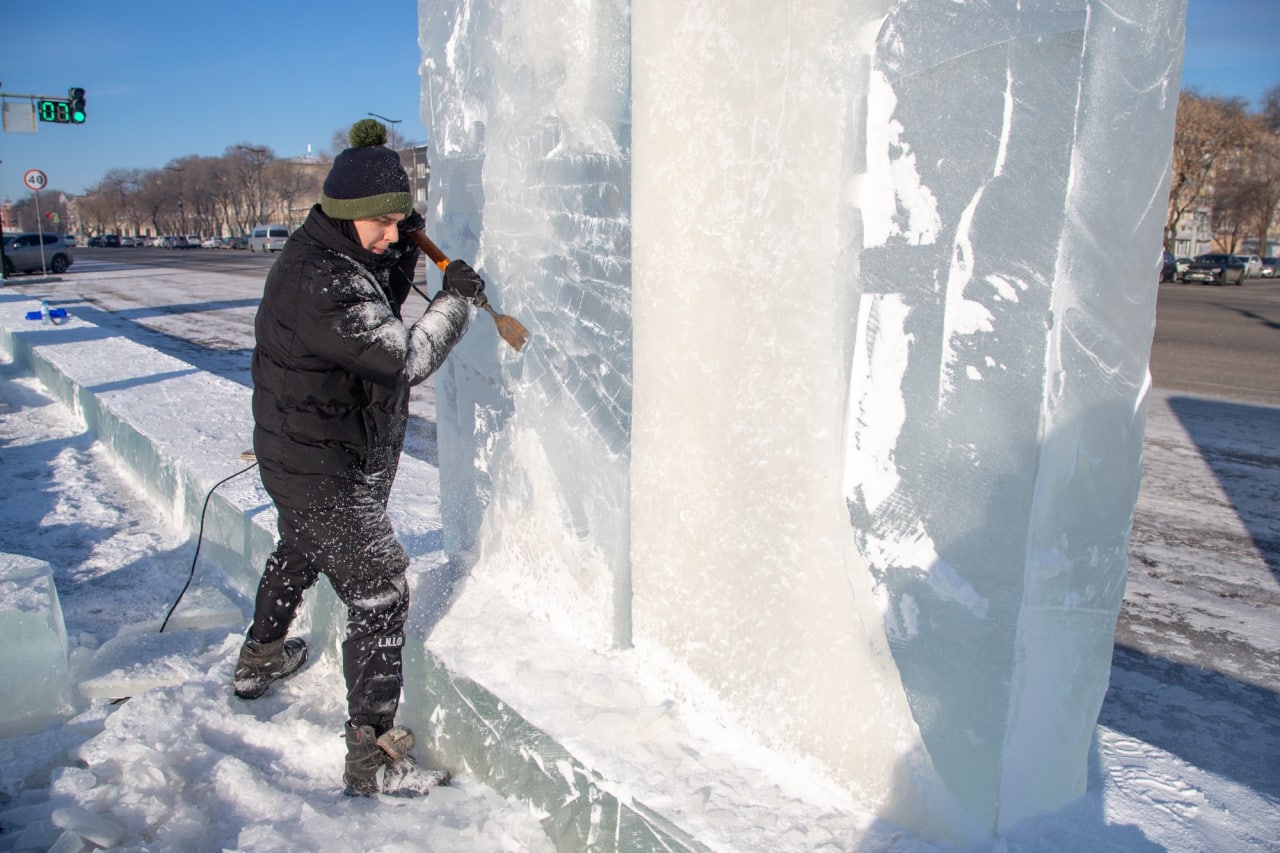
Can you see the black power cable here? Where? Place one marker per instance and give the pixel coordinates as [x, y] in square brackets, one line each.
[199, 537]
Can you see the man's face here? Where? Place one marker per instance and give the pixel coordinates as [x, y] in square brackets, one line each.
[378, 233]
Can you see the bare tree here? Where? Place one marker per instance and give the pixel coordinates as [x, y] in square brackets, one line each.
[250, 162]
[97, 214]
[1207, 131]
[1231, 192]
[1262, 179]
[203, 208]
[152, 198]
[124, 185]
[51, 202]
[1271, 108]
[339, 141]
[295, 186]
[227, 195]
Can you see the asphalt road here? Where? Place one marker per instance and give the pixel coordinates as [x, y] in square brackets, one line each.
[1219, 341]
[1213, 340]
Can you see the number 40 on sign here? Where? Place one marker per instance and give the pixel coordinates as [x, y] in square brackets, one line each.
[35, 180]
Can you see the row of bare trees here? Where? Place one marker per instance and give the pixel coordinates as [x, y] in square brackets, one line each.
[1226, 167]
[209, 196]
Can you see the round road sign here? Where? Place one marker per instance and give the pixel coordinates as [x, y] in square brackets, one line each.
[35, 179]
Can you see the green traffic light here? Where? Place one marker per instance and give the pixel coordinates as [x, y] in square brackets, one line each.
[76, 96]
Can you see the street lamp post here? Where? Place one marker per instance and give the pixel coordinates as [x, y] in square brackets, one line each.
[395, 135]
[182, 213]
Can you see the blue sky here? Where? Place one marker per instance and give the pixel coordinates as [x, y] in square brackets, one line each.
[166, 80]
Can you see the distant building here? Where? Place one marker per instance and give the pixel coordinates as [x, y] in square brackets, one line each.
[414, 158]
[9, 216]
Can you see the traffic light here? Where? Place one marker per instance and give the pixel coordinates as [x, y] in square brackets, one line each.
[62, 111]
[76, 96]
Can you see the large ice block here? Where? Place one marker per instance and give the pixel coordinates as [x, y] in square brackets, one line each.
[1012, 344]
[33, 667]
[841, 320]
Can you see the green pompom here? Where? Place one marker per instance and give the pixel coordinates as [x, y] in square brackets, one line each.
[367, 132]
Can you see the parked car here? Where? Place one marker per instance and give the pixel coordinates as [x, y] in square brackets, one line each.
[241, 242]
[1269, 267]
[1168, 268]
[211, 243]
[1216, 269]
[23, 253]
[111, 241]
[95, 242]
[268, 238]
[1252, 265]
[127, 243]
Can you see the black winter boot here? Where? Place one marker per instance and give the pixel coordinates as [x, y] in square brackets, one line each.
[388, 755]
[262, 663]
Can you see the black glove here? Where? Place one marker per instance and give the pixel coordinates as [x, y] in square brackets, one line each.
[461, 279]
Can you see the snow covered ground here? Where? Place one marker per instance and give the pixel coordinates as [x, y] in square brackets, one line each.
[1187, 753]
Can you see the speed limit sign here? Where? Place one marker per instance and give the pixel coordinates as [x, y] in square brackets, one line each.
[35, 179]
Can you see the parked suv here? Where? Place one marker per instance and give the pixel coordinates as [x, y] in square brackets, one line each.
[22, 253]
[268, 238]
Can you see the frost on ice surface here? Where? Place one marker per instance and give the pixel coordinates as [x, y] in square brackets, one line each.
[532, 183]
[823, 361]
[1023, 381]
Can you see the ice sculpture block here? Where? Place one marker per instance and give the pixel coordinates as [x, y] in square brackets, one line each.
[33, 668]
[841, 318]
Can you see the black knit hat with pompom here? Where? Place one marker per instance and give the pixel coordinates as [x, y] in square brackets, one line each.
[366, 180]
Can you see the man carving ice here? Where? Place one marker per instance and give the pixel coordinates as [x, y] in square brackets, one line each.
[332, 368]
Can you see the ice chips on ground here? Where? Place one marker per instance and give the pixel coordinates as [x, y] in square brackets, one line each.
[139, 659]
[204, 607]
[96, 829]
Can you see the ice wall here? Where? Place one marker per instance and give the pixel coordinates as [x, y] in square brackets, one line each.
[530, 135]
[836, 391]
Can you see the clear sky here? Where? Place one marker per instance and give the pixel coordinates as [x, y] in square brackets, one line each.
[167, 80]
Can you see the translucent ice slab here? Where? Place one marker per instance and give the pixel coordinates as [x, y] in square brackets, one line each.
[33, 668]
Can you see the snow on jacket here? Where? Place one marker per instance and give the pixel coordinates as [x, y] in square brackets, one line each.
[334, 362]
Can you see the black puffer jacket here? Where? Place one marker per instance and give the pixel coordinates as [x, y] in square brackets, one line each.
[333, 362]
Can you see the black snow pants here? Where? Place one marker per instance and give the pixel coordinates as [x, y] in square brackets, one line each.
[339, 528]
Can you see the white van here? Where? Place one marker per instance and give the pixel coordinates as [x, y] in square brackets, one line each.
[268, 238]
